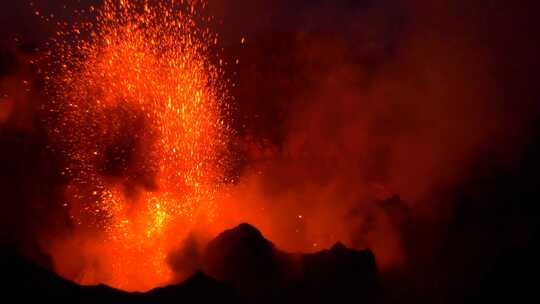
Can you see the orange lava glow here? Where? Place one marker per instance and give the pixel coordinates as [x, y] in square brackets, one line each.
[141, 118]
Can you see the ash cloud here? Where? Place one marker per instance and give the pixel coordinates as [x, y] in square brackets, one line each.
[412, 98]
[31, 204]
[341, 105]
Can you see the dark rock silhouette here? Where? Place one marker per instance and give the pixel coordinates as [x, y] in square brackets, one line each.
[27, 282]
[243, 258]
[241, 266]
[339, 273]
[197, 288]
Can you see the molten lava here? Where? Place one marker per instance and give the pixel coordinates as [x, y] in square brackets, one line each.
[140, 115]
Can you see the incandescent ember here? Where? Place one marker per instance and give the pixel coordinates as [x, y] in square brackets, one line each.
[140, 114]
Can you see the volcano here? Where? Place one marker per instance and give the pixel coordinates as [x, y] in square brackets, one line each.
[274, 151]
[240, 266]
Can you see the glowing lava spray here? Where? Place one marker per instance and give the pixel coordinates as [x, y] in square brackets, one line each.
[139, 107]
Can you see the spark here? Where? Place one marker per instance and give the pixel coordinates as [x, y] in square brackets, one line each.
[135, 90]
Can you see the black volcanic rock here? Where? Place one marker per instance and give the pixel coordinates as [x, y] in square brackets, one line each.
[243, 258]
[242, 267]
[197, 288]
[26, 282]
[338, 273]
[241, 253]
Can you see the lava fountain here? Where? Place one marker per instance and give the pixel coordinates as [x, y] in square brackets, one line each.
[139, 111]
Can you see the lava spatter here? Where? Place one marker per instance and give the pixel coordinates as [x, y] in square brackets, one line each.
[140, 117]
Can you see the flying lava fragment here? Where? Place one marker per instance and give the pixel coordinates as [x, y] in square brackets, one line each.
[140, 118]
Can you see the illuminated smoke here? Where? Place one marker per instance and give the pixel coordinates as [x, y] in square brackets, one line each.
[335, 124]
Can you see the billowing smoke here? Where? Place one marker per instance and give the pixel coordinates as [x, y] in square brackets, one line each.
[31, 208]
[407, 99]
[355, 121]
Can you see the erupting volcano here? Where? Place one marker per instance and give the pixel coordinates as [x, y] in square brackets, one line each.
[140, 114]
[269, 151]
